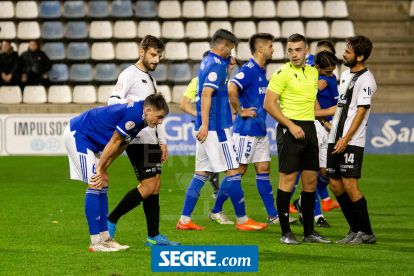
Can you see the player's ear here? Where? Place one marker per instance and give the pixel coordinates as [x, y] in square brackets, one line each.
[141, 52]
[307, 50]
[360, 58]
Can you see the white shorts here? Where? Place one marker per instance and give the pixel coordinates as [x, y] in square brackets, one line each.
[216, 156]
[252, 149]
[82, 166]
[323, 137]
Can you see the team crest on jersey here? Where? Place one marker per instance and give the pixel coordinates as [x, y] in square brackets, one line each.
[129, 125]
[212, 76]
[119, 87]
[240, 76]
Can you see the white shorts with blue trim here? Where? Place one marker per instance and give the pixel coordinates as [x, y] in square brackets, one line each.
[216, 154]
[323, 138]
[82, 166]
[252, 149]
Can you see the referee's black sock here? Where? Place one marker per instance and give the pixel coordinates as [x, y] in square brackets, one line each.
[308, 210]
[152, 212]
[282, 201]
[346, 207]
[131, 200]
[361, 213]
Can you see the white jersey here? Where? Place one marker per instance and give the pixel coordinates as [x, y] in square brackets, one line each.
[356, 90]
[135, 84]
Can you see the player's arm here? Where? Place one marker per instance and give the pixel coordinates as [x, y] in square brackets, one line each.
[120, 150]
[205, 113]
[186, 107]
[121, 89]
[324, 122]
[234, 101]
[325, 112]
[232, 64]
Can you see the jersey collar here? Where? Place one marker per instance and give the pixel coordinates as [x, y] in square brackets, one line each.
[219, 57]
[291, 66]
[141, 69]
[261, 70]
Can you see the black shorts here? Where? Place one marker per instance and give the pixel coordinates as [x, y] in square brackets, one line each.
[346, 164]
[145, 159]
[297, 155]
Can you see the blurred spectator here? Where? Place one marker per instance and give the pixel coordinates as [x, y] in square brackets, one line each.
[9, 65]
[35, 65]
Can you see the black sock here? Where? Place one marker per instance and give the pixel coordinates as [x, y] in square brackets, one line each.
[361, 214]
[131, 200]
[152, 212]
[282, 201]
[346, 207]
[308, 211]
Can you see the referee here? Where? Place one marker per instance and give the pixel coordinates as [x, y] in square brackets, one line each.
[295, 85]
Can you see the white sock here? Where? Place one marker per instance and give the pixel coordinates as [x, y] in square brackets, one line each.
[242, 220]
[185, 219]
[325, 199]
[95, 239]
[104, 235]
[317, 217]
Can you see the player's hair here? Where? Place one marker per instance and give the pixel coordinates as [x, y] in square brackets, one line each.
[327, 44]
[361, 45]
[150, 41]
[7, 41]
[324, 59]
[297, 38]
[157, 101]
[205, 54]
[255, 39]
[222, 34]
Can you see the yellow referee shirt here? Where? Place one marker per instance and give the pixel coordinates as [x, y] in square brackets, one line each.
[191, 89]
[297, 88]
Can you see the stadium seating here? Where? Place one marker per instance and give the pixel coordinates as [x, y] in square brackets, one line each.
[179, 72]
[123, 66]
[102, 51]
[234, 72]
[14, 46]
[288, 9]
[121, 9]
[127, 51]
[52, 30]
[98, 9]
[317, 29]
[76, 30]
[215, 25]
[244, 29]
[8, 30]
[104, 93]
[78, 51]
[312, 47]
[271, 27]
[196, 30]
[125, 29]
[339, 49]
[149, 27]
[243, 51]
[23, 47]
[279, 52]
[178, 93]
[28, 30]
[26, 10]
[10, 95]
[172, 30]
[169, 9]
[342, 29]
[264, 9]
[197, 49]
[84, 94]
[312, 9]
[412, 8]
[74, 9]
[59, 94]
[271, 68]
[100, 30]
[6, 9]
[105, 72]
[55, 50]
[146, 9]
[291, 27]
[336, 9]
[176, 51]
[160, 73]
[50, 9]
[35, 94]
[195, 70]
[217, 9]
[81, 73]
[240, 9]
[193, 9]
[58, 73]
[166, 91]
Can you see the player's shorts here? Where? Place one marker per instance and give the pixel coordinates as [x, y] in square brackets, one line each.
[217, 153]
[297, 155]
[145, 159]
[346, 164]
[323, 138]
[252, 149]
[82, 164]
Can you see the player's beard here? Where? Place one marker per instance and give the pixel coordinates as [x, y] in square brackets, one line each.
[148, 65]
[350, 63]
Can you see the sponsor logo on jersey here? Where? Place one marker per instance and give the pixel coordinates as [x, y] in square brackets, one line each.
[130, 105]
[129, 125]
[119, 87]
[240, 76]
[212, 76]
[144, 81]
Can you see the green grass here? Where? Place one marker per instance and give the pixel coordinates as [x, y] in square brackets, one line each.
[35, 191]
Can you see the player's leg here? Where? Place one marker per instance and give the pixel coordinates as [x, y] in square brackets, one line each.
[214, 182]
[293, 208]
[323, 181]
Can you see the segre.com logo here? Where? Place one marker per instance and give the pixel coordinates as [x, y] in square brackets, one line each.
[206, 258]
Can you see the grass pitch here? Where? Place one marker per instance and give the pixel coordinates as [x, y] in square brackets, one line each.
[35, 192]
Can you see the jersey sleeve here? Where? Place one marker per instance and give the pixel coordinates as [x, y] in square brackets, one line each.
[124, 84]
[278, 82]
[243, 78]
[214, 76]
[132, 118]
[191, 89]
[365, 89]
[161, 135]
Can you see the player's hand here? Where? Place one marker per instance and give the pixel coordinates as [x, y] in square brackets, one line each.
[327, 126]
[232, 63]
[297, 132]
[340, 145]
[322, 84]
[24, 77]
[202, 133]
[164, 153]
[98, 179]
[249, 112]
[129, 101]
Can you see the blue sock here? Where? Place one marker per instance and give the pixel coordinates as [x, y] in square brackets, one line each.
[193, 193]
[321, 186]
[266, 192]
[296, 185]
[92, 210]
[236, 194]
[222, 196]
[103, 199]
[317, 204]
